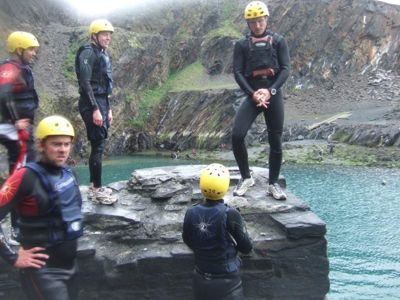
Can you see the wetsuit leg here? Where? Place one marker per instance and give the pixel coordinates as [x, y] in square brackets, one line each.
[50, 283]
[95, 161]
[12, 155]
[227, 287]
[96, 135]
[274, 117]
[244, 118]
[12, 152]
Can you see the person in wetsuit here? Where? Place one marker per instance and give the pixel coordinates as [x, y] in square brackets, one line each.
[18, 97]
[216, 233]
[18, 103]
[47, 201]
[261, 65]
[94, 73]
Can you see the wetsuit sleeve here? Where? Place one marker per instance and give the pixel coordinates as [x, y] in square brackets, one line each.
[13, 189]
[239, 68]
[237, 229]
[186, 230]
[284, 64]
[8, 75]
[87, 58]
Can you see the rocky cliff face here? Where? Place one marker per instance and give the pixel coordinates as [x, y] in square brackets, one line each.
[326, 39]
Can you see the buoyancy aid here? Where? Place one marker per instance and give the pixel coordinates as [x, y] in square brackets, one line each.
[214, 248]
[102, 80]
[262, 53]
[24, 99]
[62, 220]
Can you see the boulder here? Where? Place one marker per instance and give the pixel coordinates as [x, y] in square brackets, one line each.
[134, 249]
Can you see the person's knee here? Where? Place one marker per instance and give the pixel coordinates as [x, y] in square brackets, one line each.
[275, 141]
[237, 137]
[97, 150]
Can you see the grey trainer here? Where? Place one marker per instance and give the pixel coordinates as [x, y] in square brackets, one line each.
[104, 196]
[243, 186]
[91, 194]
[275, 191]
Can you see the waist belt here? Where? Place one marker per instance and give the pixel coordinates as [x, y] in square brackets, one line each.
[210, 276]
[264, 73]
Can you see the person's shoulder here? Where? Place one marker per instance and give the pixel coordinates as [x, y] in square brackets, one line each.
[9, 71]
[8, 63]
[243, 40]
[277, 37]
[21, 175]
[86, 50]
[232, 212]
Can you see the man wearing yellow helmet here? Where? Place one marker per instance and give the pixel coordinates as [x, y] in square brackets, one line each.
[261, 65]
[18, 101]
[18, 97]
[94, 73]
[47, 201]
[216, 233]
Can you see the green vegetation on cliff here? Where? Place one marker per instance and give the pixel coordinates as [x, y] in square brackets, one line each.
[191, 78]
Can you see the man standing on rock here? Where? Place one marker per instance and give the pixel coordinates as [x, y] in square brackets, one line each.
[216, 233]
[94, 73]
[47, 201]
[261, 65]
[18, 102]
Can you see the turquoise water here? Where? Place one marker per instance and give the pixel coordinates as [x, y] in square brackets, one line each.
[121, 168]
[361, 209]
[359, 205]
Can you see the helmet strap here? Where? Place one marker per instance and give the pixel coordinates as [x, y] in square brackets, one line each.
[19, 53]
[94, 38]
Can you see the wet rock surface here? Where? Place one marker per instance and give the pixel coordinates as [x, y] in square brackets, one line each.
[134, 249]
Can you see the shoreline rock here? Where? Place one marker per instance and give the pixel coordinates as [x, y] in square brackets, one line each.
[134, 250]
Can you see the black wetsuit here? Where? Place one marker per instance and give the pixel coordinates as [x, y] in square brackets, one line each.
[25, 192]
[248, 111]
[95, 85]
[216, 233]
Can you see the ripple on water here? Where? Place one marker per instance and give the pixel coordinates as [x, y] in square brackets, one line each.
[360, 207]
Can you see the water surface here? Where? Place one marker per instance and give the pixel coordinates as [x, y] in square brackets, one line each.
[361, 209]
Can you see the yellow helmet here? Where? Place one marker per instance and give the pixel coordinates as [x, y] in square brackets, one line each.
[100, 25]
[21, 39]
[214, 181]
[256, 9]
[54, 125]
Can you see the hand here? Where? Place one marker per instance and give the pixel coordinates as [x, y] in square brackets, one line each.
[266, 95]
[97, 118]
[31, 258]
[110, 116]
[261, 97]
[22, 124]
